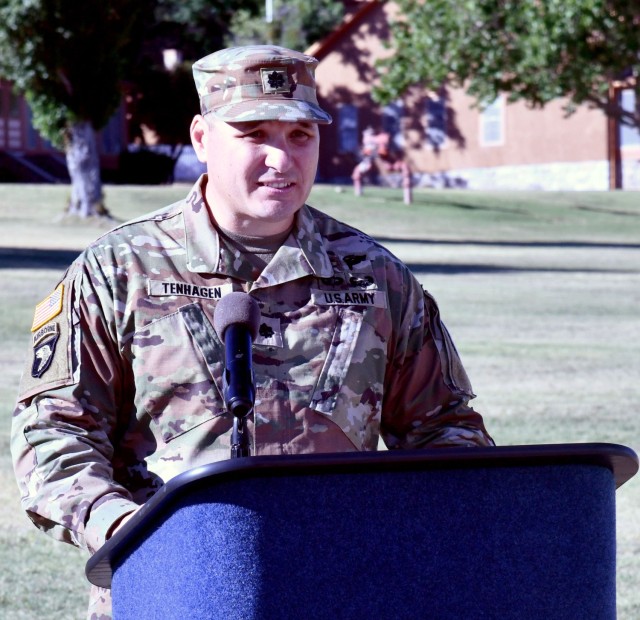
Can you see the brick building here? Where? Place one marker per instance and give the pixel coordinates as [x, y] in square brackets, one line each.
[450, 143]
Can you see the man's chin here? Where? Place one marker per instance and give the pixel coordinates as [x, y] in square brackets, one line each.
[273, 216]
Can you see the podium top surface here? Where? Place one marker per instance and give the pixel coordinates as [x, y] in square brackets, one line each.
[620, 460]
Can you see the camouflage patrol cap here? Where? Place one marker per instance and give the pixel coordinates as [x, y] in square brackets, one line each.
[258, 83]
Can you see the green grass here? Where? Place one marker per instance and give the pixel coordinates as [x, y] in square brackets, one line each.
[540, 290]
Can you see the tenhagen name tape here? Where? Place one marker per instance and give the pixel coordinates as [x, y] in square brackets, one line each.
[160, 288]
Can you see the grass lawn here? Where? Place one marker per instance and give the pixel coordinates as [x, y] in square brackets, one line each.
[541, 292]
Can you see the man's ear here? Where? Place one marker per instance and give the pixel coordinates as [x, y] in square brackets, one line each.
[199, 132]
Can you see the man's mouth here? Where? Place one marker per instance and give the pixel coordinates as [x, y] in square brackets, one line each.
[276, 184]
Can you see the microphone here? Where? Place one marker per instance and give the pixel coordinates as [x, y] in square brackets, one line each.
[236, 321]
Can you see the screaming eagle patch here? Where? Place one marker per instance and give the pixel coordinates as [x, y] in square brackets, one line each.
[43, 351]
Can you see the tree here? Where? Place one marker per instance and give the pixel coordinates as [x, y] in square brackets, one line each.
[193, 28]
[532, 50]
[68, 59]
[196, 27]
[296, 23]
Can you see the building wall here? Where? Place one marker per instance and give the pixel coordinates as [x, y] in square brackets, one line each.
[535, 149]
[12, 112]
[17, 134]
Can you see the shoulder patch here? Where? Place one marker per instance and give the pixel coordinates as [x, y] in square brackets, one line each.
[43, 354]
[49, 361]
[48, 309]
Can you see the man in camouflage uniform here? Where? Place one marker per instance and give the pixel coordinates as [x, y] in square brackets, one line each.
[123, 389]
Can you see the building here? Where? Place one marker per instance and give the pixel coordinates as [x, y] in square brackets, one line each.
[26, 156]
[449, 142]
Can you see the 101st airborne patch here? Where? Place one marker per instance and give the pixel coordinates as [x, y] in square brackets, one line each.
[45, 335]
[44, 346]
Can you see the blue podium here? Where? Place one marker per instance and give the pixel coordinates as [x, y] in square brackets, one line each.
[524, 532]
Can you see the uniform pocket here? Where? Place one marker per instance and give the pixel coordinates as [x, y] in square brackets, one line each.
[337, 361]
[178, 363]
[350, 386]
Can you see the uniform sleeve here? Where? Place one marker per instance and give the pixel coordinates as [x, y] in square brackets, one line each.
[427, 391]
[69, 409]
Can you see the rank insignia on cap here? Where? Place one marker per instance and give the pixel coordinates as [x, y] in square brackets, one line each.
[48, 308]
[275, 80]
[43, 355]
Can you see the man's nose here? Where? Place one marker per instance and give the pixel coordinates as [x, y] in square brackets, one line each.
[277, 156]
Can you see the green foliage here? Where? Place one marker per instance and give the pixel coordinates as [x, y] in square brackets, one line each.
[68, 58]
[296, 23]
[165, 101]
[533, 50]
[196, 27]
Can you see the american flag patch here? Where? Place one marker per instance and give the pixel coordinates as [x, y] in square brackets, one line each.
[48, 308]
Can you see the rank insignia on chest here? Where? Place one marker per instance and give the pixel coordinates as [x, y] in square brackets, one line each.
[44, 348]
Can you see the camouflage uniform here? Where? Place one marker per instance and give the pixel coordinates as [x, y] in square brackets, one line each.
[123, 388]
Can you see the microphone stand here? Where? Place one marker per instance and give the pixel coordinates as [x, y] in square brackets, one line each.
[239, 439]
[236, 320]
[239, 387]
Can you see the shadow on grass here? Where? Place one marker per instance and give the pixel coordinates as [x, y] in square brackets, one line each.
[33, 258]
[461, 268]
[477, 207]
[587, 245]
[28, 258]
[608, 211]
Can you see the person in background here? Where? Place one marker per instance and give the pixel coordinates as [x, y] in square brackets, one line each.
[123, 388]
[377, 155]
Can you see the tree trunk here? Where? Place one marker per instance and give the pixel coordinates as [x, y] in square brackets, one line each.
[84, 170]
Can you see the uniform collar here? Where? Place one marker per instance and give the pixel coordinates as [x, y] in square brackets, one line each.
[302, 254]
[203, 243]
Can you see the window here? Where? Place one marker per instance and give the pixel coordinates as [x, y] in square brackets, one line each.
[629, 136]
[436, 121]
[348, 141]
[492, 123]
[111, 135]
[13, 129]
[391, 123]
[14, 105]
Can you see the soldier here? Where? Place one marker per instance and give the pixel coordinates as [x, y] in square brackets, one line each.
[123, 388]
[376, 153]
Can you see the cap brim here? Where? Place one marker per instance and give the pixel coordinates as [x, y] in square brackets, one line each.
[293, 110]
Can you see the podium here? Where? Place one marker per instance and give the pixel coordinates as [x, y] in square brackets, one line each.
[451, 533]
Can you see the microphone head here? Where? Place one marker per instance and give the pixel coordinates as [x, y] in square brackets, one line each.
[237, 308]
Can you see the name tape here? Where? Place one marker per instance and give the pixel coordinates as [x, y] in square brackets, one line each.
[349, 298]
[162, 288]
